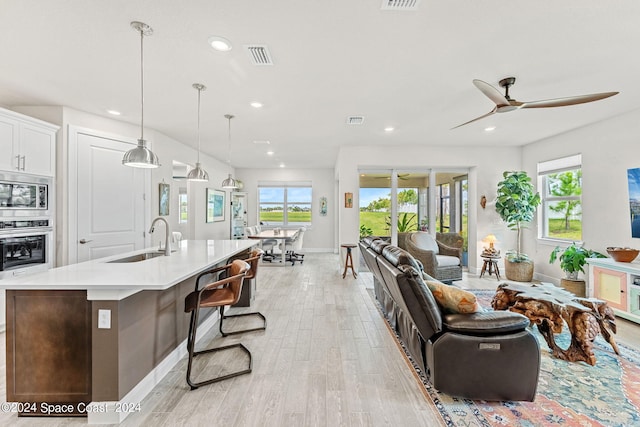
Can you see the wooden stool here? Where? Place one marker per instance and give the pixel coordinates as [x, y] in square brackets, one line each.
[490, 264]
[348, 261]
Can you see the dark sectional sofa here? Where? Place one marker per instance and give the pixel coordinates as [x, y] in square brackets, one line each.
[484, 356]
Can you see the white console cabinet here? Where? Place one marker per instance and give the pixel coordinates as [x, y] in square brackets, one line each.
[27, 145]
[618, 283]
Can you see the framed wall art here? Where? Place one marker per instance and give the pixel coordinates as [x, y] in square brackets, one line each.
[164, 200]
[348, 200]
[323, 206]
[215, 205]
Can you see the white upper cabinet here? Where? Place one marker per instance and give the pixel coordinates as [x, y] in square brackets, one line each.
[27, 145]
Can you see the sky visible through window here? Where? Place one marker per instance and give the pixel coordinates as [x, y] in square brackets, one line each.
[368, 195]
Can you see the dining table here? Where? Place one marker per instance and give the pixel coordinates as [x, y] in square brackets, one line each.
[282, 235]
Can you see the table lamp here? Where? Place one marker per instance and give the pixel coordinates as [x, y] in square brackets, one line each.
[490, 239]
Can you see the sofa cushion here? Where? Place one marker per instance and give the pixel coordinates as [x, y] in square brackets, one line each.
[452, 299]
[448, 261]
[378, 245]
[397, 256]
[425, 242]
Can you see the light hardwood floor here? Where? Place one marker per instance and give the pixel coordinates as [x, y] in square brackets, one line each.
[326, 359]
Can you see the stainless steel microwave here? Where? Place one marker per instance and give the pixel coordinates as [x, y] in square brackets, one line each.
[24, 195]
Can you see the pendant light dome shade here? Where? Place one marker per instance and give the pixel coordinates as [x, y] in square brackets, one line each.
[197, 173]
[229, 183]
[141, 156]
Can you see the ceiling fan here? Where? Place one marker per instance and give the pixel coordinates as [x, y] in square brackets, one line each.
[504, 103]
[402, 176]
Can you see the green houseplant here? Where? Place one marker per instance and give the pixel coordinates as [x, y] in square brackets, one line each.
[573, 259]
[407, 222]
[516, 204]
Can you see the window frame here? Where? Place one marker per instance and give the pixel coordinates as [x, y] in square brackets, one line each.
[286, 203]
[546, 168]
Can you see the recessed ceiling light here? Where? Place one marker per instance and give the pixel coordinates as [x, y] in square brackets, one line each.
[389, 129]
[220, 43]
[114, 112]
[489, 129]
[269, 153]
[281, 165]
[256, 104]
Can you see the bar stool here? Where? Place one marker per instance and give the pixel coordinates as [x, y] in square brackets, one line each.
[248, 287]
[217, 294]
[348, 261]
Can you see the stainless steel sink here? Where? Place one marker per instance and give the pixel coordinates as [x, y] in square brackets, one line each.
[137, 258]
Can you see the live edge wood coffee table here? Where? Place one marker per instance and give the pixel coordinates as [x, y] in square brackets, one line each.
[549, 307]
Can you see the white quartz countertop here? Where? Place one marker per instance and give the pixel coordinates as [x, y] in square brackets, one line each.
[105, 280]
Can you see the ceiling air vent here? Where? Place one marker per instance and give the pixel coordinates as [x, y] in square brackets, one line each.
[259, 54]
[400, 4]
[355, 120]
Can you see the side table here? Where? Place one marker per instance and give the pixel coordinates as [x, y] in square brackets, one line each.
[348, 260]
[490, 264]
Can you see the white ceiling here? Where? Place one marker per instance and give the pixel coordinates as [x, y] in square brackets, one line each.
[332, 59]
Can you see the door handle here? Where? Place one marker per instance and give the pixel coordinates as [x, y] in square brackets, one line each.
[83, 241]
[24, 162]
[18, 160]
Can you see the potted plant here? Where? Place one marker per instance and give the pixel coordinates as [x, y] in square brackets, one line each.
[365, 231]
[573, 259]
[406, 224]
[424, 224]
[516, 204]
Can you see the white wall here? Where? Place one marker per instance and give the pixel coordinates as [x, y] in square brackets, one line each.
[608, 149]
[166, 149]
[485, 166]
[320, 237]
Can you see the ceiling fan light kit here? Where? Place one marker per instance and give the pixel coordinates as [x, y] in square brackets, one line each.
[504, 103]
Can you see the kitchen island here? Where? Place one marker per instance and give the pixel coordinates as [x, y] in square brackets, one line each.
[92, 339]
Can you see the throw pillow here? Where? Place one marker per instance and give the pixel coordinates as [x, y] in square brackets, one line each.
[452, 299]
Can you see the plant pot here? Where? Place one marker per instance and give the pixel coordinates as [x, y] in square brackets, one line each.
[576, 287]
[518, 271]
[572, 275]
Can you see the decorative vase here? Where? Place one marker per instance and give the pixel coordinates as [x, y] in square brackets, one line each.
[518, 271]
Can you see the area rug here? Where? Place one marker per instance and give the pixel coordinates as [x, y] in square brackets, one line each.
[569, 393]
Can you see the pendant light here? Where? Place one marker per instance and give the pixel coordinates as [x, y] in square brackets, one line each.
[141, 156]
[229, 183]
[197, 173]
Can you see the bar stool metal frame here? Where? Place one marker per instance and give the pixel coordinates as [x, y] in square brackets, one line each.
[253, 261]
[219, 293]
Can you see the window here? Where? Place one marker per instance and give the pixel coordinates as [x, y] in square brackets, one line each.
[285, 204]
[183, 205]
[443, 216]
[560, 183]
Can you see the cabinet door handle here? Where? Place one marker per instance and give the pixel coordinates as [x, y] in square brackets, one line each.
[18, 162]
[24, 162]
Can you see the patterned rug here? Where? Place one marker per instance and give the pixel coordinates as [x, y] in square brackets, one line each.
[569, 393]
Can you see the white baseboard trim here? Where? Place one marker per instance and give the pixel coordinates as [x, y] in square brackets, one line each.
[116, 412]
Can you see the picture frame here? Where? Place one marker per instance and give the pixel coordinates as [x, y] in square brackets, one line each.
[323, 206]
[164, 199]
[215, 205]
[348, 200]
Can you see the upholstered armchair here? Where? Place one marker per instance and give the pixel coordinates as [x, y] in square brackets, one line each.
[439, 260]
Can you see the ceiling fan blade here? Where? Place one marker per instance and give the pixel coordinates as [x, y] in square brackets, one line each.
[571, 100]
[491, 92]
[476, 119]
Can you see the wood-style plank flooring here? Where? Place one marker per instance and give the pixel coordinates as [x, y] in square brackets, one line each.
[326, 359]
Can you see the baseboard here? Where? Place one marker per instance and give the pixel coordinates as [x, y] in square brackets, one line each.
[116, 412]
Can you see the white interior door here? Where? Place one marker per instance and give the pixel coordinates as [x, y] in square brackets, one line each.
[110, 199]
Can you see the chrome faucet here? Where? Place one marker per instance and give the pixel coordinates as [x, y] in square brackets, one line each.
[167, 244]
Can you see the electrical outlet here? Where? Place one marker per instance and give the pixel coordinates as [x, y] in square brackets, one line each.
[104, 319]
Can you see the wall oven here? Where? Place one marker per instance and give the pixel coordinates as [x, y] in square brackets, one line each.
[26, 224]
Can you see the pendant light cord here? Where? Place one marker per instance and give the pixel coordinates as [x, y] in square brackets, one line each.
[142, 83]
[229, 117]
[199, 91]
